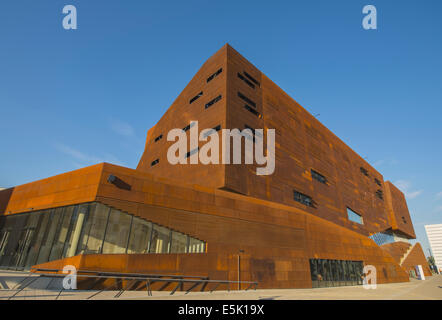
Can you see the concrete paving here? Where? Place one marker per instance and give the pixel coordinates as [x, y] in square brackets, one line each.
[430, 289]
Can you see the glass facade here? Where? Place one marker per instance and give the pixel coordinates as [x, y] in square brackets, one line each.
[335, 273]
[387, 237]
[27, 239]
[382, 238]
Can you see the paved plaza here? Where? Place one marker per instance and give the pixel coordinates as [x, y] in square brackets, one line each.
[430, 289]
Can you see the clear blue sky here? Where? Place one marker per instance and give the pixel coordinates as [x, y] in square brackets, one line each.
[72, 98]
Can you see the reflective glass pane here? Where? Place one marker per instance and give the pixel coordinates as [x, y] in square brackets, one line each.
[61, 234]
[139, 236]
[38, 231]
[179, 242]
[77, 222]
[24, 242]
[326, 270]
[87, 211]
[352, 272]
[48, 239]
[4, 235]
[320, 270]
[117, 232]
[334, 272]
[160, 240]
[313, 269]
[96, 226]
[11, 237]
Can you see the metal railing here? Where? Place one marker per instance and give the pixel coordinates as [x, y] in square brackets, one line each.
[133, 280]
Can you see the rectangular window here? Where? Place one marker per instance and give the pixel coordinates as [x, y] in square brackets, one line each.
[196, 97]
[377, 182]
[214, 75]
[364, 171]
[159, 138]
[246, 81]
[353, 216]
[251, 102]
[253, 111]
[302, 198]
[251, 78]
[212, 131]
[210, 103]
[317, 176]
[154, 162]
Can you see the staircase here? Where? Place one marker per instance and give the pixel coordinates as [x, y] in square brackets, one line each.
[406, 254]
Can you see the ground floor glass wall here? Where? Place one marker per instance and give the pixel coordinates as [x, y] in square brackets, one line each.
[32, 238]
[335, 273]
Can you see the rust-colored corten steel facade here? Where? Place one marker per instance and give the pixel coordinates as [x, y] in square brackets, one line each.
[213, 213]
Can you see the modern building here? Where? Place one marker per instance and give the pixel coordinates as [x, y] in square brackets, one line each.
[434, 235]
[320, 217]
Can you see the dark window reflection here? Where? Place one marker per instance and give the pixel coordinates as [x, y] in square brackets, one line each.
[335, 273]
